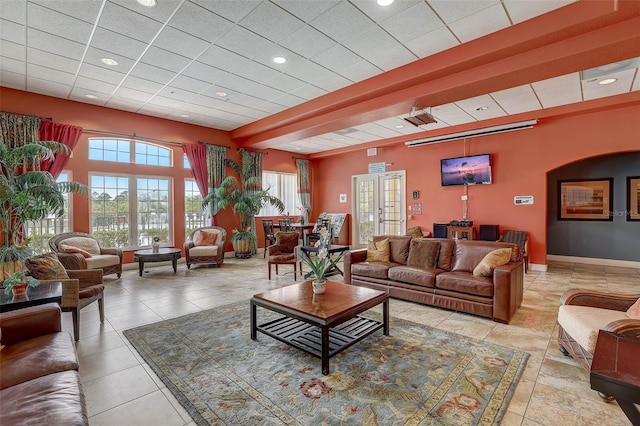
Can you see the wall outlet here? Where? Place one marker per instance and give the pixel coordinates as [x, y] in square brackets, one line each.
[464, 197]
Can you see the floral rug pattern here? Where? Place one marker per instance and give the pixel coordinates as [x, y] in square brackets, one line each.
[416, 376]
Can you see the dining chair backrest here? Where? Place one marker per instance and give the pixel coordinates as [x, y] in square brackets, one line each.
[285, 225]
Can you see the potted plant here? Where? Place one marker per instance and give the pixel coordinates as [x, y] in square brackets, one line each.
[155, 244]
[27, 195]
[245, 200]
[322, 262]
[18, 283]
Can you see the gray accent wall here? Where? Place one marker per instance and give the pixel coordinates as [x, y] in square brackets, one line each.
[618, 239]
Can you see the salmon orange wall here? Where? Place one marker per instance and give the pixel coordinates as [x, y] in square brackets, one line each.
[521, 160]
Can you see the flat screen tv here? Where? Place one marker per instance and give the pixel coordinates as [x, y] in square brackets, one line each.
[470, 170]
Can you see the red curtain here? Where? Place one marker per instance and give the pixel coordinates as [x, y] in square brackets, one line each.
[63, 133]
[197, 155]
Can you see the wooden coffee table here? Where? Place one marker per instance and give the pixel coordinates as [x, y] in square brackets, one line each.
[44, 293]
[323, 324]
[163, 254]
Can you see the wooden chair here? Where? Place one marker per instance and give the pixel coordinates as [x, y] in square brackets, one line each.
[521, 239]
[202, 248]
[283, 252]
[269, 234]
[313, 236]
[284, 225]
[77, 250]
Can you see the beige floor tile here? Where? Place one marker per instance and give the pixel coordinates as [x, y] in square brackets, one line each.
[151, 409]
[105, 363]
[116, 389]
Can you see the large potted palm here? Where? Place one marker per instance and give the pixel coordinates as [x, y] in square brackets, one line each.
[27, 195]
[241, 193]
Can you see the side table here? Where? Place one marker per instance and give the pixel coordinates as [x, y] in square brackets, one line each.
[44, 293]
[163, 254]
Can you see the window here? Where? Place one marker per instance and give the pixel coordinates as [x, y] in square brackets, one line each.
[40, 231]
[194, 214]
[285, 187]
[185, 162]
[128, 211]
[128, 151]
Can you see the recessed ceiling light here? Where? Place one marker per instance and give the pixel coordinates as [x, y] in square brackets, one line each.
[90, 96]
[279, 59]
[608, 81]
[482, 108]
[147, 3]
[399, 126]
[384, 2]
[221, 94]
[109, 61]
[184, 115]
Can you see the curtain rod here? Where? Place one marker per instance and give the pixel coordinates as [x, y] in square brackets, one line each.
[261, 152]
[214, 144]
[133, 136]
[28, 115]
[299, 158]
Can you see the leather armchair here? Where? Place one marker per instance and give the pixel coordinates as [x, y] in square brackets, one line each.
[70, 247]
[284, 252]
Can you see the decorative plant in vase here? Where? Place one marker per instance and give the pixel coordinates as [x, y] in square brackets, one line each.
[322, 262]
[18, 283]
[241, 194]
[27, 194]
[155, 244]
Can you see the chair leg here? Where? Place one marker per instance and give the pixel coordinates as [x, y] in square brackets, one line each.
[269, 271]
[101, 308]
[295, 270]
[76, 323]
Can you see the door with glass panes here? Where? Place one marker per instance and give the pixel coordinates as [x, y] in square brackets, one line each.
[378, 206]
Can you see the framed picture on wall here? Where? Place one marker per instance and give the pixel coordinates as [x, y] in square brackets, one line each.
[585, 199]
[633, 198]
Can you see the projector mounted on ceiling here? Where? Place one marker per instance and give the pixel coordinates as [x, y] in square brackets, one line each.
[420, 119]
[473, 133]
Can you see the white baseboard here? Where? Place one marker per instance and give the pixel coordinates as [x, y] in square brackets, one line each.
[594, 261]
[537, 267]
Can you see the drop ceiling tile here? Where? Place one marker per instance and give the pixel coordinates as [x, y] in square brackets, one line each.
[180, 43]
[451, 114]
[471, 105]
[78, 94]
[332, 82]
[271, 21]
[593, 90]
[87, 12]
[306, 10]
[12, 50]
[160, 12]
[13, 65]
[232, 10]
[110, 41]
[572, 79]
[124, 104]
[369, 42]
[94, 57]
[377, 131]
[392, 58]
[90, 85]
[14, 11]
[169, 92]
[342, 22]
[307, 71]
[218, 57]
[360, 71]
[523, 10]
[520, 103]
[164, 59]
[307, 42]
[49, 88]
[52, 22]
[284, 82]
[308, 92]
[451, 11]
[337, 58]
[379, 13]
[205, 72]
[200, 22]
[269, 107]
[45, 59]
[433, 42]
[397, 124]
[13, 32]
[258, 90]
[412, 22]
[126, 22]
[44, 73]
[12, 80]
[563, 95]
[189, 84]
[287, 100]
[149, 72]
[132, 94]
[245, 42]
[257, 72]
[56, 45]
[166, 102]
[101, 74]
[481, 23]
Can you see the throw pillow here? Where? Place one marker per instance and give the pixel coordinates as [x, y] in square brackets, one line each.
[71, 249]
[414, 232]
[205, 238]
[378, 251]
[46, 267]
[491, 261]
[634, 311]
[423, 253]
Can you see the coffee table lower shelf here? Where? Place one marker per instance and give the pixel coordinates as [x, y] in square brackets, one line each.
[308, 338]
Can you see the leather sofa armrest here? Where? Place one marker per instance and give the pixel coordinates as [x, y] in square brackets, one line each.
[86, 277]
[598, 299]
[72, 260]
[508, 289]
[27, 323]
[351, 257]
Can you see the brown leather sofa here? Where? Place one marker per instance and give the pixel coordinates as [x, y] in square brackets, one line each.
[39, 380]
[451, 284]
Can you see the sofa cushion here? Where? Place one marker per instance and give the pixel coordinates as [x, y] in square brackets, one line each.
[71, 249]
[205, 237]
[55, 399]
[378, 251]
[468, 254]
[36, 357]
[372, 269]
[414, 275]
[464, 282]
[414, 232]
[102, 260]
[634, 311]
[85, 243]
[398, 247]
[423, 253]
[46, 267]
[491, 261]
[201, 251]
[583, 322]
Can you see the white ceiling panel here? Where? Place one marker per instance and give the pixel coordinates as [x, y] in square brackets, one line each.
[100, 74]
[84, 10]
[14, 11]
[54, 44]
[481, 107]
[149, 72]
[484, 22]
[337, 58]
[13, 65]
[12, 80]
[161, 12]
[360, 71]
[44, 73]
[342, 22]
[12, 50]
[412, 22]
[189, 84]
[522, 10]
[121, 20]
[517, 100]
[93, 86]
[308, 92]
[50, 21]
[181, 43]
[200, 22]
[11, 31]
[271, 21]
[452, 11]
[389, 59]
[245, 42]
[132, 94]
[432, 42]
[369, 42]
[306, 10]
[232, 10]
[307, 42]
[125, 104]
[142, 84]
[119, 44]
[49, 88]
[164, 59]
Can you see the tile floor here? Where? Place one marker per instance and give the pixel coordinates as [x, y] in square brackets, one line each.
[121, 389]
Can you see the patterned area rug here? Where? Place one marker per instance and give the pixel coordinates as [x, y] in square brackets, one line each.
[416, 376]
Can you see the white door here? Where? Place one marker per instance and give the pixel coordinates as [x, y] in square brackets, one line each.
[378, 206]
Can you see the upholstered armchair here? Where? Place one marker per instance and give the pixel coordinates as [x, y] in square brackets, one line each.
[521, 239]
[205, 245]
[77, 250]
[80, 287]
[283, 252]
[583, 313]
